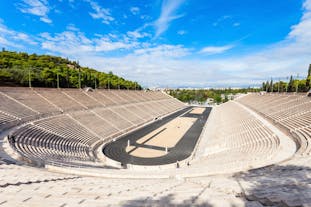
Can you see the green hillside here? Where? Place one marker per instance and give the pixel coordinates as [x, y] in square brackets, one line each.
[44, 70]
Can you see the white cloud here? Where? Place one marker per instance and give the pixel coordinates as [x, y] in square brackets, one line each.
[221, 19]
[100, 13]
[9, 37]
[72, 42]
[161, 66]
[46, 20]
[137, 35]
[307, 5]
[23, 37]
[302, 31]
[145, 17]
[210, 50]
[176, 65]
[105, 44]
[72, 27]
[38, 8]
[134, 10]
[160, 51]
[4, 41]
[168, 14]
[181, 32]
[66, 43]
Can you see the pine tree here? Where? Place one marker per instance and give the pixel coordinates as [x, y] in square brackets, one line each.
[263, 86]
[308, 86]
[290, 84]
[267, 86]
[271, 86]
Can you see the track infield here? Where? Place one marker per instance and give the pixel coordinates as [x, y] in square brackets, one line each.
[164, 141]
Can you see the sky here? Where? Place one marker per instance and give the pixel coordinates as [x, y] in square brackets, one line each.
[167, 43]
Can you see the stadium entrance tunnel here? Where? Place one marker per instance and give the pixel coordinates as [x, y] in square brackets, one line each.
[165, 141]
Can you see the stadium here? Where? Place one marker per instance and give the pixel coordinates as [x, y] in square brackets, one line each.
[71, 147]
[155, 103]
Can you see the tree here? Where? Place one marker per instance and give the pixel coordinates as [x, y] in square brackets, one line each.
[308, 86]
[264, 86]
[308, 80]
[290, 87]
[271, 86]
[15, 68]
[217, 98]
[190, 95]
[226, 99]
[302, 86]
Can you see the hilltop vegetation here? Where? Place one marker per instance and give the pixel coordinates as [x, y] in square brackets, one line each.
[44, 70]
[201, 95]
[293, 85]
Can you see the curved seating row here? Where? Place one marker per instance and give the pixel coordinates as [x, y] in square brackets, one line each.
[292, 111]
[236, 139]
[63, 125]
[41, 145]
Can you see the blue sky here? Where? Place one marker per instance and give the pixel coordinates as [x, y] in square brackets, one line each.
[167, 43]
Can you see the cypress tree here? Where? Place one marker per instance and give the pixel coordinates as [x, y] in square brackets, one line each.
[291, 84]
[263, 86]
[267, 86]
[271, 86]
[308, 87]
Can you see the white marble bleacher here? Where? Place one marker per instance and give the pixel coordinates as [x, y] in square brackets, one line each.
[164, 105]
[14, 108]
[92, 191]
[279, 185]
[282, 184]
[113, 95]
[141, 96]
[30, 98]
[43, 146]
[292, 111]
[82, 98]
[119, 122]
[236, 140]
[128, 95]
[152, 107]
[67, 127]
[288, 183]
[146, 111]
[140, 113]
[59, 99]
[7, 120]
[11, 174]
[100, 97]
[24, 186]
[95, 123]
[88, 117]
[128, 115]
